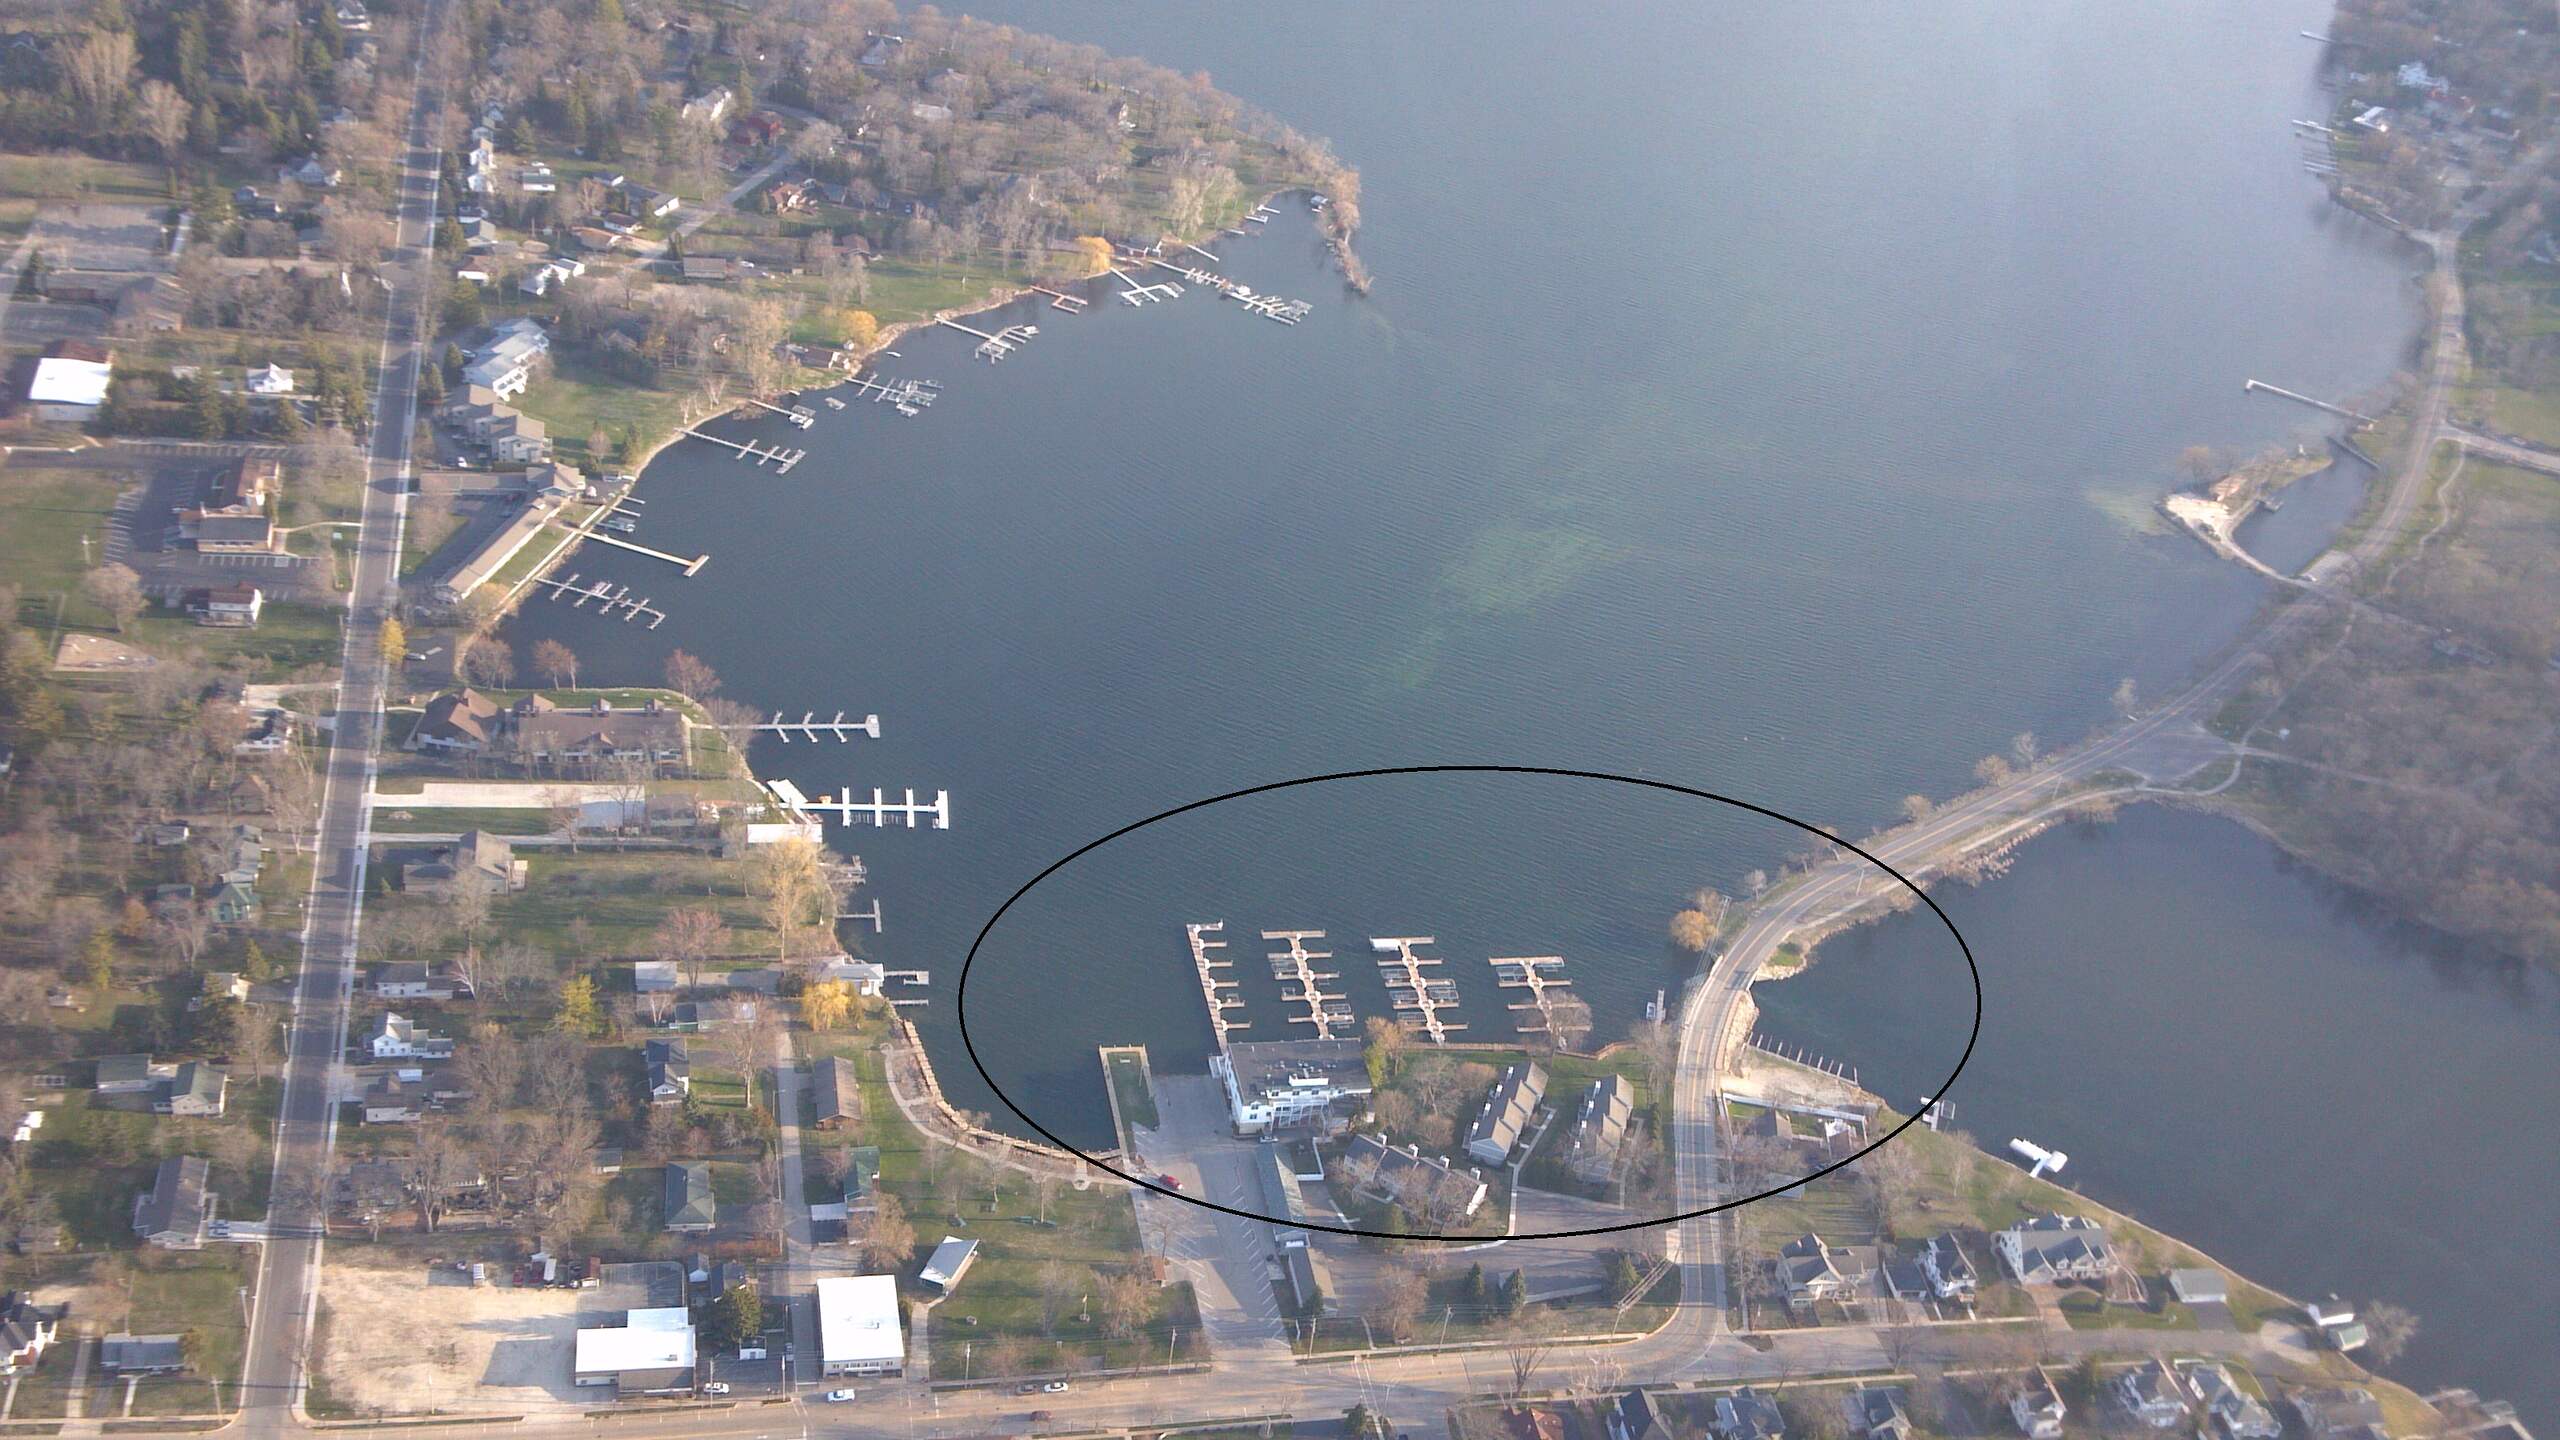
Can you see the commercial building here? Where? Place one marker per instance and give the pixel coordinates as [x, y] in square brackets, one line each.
[1278, 1084]
[70, 383]
[858, 1328]
[650, 1353]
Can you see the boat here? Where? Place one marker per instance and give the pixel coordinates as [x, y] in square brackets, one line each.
[621, 524]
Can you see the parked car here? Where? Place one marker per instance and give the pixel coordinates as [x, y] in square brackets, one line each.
[838, 1397]
[1169, 1182]
[716, 1387]
[1038, 1416]
[1054, 1387]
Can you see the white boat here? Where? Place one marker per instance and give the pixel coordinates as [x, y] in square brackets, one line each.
[621, 524]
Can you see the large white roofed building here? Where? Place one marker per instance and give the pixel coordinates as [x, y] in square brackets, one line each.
[858, 1328]
[652, 1352]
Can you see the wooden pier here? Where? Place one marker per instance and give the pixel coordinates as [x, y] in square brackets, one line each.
[1218, 994]
[800, 415]
[1529, 972]
[608, 596]
[2252, 386]
[872, 915]
[1262, 215]
[809, 727]
[1271, 307]
[879, 810]
[992, 348]
[1141, 294]
[910, 397]
[749, 450]
[1060, 300]
[1418, 998]
[690, 567]
[1326, 1009]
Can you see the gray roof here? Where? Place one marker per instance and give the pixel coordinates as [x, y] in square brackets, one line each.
[124, 1069]
[175, 1204]
[838, 1090]
[667, 1060]
[1272, 1065]
[689, 1202]
[200, 1082]
[1282, 1200]
[1600, 1127]
[1507, 1110]
[949, 1258]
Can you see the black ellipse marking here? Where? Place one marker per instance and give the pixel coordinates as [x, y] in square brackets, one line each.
[960, 996]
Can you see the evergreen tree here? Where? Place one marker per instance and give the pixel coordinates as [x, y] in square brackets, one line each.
[1515, 1295]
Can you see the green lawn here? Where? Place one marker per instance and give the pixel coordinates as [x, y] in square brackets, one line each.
[1128, 1072]
[82, 177]
[435, 821]
[575, 398]
[2086, 1310]
[199, 1293]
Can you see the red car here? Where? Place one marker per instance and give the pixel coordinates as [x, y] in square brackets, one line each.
[1168, 1182]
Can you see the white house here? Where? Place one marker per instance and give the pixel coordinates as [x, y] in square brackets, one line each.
[399, 1038]
[2037, 1407]
[710, 105]
[2054, 1249]
[271, 379]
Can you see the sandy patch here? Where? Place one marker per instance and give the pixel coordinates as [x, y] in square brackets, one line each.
[99, 652]
[397, 1342]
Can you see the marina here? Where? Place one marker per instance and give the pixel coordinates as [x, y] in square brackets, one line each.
[1418, 998]
[608, 596]
[1326, 1010]
[1218, 993]
[992, 348]
[908, 397]
[1546, 990]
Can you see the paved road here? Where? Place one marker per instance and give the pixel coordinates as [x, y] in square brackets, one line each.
[277, 1356]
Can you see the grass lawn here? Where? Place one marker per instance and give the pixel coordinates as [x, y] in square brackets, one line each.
[2086, 1310]
[181, 1294]
[81, 177]
[995, 1315]
[434, 821]
[577, 398]
[1128, 1072]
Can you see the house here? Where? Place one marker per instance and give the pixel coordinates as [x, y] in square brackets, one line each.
[688, 1200]
[2234, 1413]
[2336, 1323]
[537, 179]
[653, 977]
[196, 1090]
[143, 1354]
[369, 1187]
[311, 173]
[547, 737]
[493, 553]
[220, 985]
[476, 861]
[670, 1069]
[709, 269]
[837, 1091]
[710, 105]
[1950, 1274]
[1812, 1271]
[858, 1330]
[1600, 1130]
[950, 1260]
[26, 1329]
[2036, 1408]
[1879, 1412]
[411, 980]
[2199, 1285]
[1278, 1084]
[397, 1037]
[878, 49]
[1412, 1180]
[1507, 1111]
[270, 732]
[1747, 1415]
[862, 977]
[790, 197]
[70, 382]
[2152, 1394]
[131, 1075]
[244, 855]
[515, 438]
[1638, 1416]
[167, 833]
[174, 1212]
[231, 607]
[2055, 1250]
[652, 1352]
[351, 16]
[759, 128]
[507, 374]
[556, 271]
[234, 519]
[2344, 1412]
[650, 204]
[270, 379]
[390, 1100]
[233, 904]
[458, 721]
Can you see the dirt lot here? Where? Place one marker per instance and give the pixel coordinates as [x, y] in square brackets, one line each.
[397, 1342]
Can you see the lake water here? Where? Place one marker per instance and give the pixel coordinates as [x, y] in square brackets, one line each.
[1769, 400]
[2244, 1055]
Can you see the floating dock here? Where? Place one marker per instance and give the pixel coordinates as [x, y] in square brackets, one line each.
[608, 596]
[1418, 998]
[872, 915]
[911, 397]
[879, 810]
[689, 567]
[1139, 293]
[1530, 973]
[1326, 1010]
[809, 727]
[992, 348]
[1060, 300]
[750, 450]
[800, 415]
[1219, 994]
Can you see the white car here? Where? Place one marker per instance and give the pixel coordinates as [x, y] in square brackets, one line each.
[1054, 1387]
[838, 1397]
